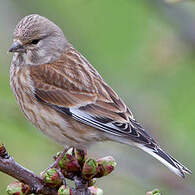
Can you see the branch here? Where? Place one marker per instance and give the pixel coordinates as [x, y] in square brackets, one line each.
[71, 164]
[10, 167]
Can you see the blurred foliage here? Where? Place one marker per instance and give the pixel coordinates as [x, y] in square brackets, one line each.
[143, 57]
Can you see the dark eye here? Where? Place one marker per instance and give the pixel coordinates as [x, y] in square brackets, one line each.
[35, 41]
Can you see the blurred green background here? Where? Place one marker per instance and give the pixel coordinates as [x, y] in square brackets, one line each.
[145, 51]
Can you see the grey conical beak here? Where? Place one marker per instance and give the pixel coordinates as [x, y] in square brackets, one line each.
[16, 47]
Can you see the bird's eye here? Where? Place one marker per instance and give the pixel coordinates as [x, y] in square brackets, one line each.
[35, 41]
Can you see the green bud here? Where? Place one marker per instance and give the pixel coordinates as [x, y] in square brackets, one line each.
[106, 166]
[90, 169]
[51, 177]
[69, 162]
[17, 188]
[63, 190]
[154, 192]
[95, 190]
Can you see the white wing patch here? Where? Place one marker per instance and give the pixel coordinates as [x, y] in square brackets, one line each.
[90, 120]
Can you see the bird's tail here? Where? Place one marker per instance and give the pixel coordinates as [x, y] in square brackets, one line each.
[167, 160]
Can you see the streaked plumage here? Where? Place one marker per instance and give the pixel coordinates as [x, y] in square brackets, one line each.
[61, 93]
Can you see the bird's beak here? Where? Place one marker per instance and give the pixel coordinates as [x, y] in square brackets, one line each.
[16, 47]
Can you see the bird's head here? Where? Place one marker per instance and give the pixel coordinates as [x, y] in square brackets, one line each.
[38, 40]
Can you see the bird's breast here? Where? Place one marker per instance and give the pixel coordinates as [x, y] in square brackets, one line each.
[60, 127]
[22, 88]
[43, 117]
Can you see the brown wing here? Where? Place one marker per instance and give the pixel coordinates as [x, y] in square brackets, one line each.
[59, 83]
[72, 83]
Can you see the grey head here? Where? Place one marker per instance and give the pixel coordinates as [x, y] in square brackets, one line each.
[37, 40]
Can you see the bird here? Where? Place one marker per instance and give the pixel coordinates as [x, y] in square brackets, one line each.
[64, 96]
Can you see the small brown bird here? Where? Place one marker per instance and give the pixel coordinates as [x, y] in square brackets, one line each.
[61, 93]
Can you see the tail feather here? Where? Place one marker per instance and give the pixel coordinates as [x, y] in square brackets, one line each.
[167, 160]
[184, 169]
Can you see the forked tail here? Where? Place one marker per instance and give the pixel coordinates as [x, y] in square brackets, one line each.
[167, 160]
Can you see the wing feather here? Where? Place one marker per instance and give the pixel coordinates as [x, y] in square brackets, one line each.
[71, 85]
